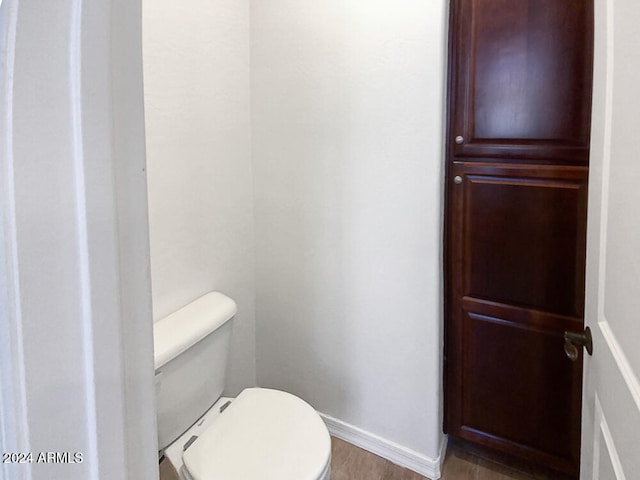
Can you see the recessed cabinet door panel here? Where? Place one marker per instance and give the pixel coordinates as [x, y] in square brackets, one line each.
[523, 79]
[500, 397]
[523, 241]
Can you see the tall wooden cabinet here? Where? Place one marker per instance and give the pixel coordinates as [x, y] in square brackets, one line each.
[520, 75]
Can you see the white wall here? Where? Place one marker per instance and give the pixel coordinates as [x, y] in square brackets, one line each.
[196, 67]
[347, 126]
[346, 131]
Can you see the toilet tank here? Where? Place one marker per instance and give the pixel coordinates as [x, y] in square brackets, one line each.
[191, 348]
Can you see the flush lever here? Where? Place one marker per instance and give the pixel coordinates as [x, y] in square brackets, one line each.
[573, 340]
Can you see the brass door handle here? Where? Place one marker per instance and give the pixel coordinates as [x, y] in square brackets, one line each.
[573, 340]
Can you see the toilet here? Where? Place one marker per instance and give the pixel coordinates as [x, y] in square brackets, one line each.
[262, 434]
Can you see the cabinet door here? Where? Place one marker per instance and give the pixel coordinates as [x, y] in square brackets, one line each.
[516, 284]
[521, 79]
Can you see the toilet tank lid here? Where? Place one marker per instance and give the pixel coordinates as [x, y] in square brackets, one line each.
[177, 332]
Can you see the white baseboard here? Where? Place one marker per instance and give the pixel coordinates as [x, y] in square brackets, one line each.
[402, 456]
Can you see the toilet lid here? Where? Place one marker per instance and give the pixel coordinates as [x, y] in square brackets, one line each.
[264, 434]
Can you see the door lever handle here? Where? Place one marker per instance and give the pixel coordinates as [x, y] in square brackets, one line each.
[573, 340]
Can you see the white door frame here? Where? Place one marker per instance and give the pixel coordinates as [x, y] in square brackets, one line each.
[611, 390]
[76, 350]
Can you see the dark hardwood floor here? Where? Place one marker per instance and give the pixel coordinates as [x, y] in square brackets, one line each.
[352, 463]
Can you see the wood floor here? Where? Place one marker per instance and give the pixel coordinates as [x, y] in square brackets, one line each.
[352, 463]
[167, 472]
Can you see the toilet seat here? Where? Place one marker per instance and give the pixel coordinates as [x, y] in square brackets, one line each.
[264, 434]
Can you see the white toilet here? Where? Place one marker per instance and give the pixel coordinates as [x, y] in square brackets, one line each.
[262, 434]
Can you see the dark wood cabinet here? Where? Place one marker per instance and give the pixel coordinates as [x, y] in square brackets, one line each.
[520, 79]
[516, 203]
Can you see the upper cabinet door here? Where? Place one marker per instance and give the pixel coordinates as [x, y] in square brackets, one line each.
[522, 86]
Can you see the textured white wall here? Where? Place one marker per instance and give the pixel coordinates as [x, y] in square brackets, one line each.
[347, 126]
[196, 68]
[347, 120]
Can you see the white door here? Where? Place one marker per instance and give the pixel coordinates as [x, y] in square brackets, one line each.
[611, 402]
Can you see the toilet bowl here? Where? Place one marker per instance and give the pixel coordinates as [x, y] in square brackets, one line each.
[262, 434]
